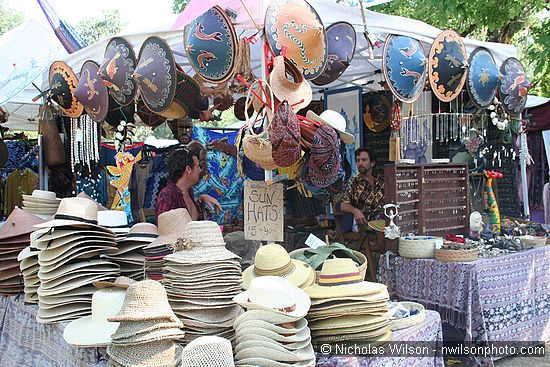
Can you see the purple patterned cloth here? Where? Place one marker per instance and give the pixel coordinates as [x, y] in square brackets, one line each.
[505, 298]
[427, 331]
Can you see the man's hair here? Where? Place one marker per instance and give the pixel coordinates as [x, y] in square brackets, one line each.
[178, 161]
[369, 151]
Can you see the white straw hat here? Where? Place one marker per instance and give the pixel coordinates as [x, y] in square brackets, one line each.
[95, 330]
[74, 212]
[171, 226]
[208, 351]
[141, 232]
[115, 220]
[335, 120]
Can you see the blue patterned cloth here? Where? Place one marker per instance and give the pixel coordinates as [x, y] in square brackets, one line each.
[156, 180]
[96, 187]
[20, 156]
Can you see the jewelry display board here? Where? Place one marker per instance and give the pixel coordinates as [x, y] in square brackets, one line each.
[433, 199]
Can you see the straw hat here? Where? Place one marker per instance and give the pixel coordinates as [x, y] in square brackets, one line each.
[120, 282]
[171, 226]
[152, 336]
[297, 92]
[115, 220]
[273, 259]
[141, 232]
[335, 120]
[95, 330]
[42, 197]
[263, 362]
[340, 277]
[19, 223]
[131, 329]
[157, 354]
[208, 351]
[275, 352]
[145, 300]
[275, 294]
[255, 341]
[243, 326]
[74, 212]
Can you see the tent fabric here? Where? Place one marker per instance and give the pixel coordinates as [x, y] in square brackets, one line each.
[540, 117]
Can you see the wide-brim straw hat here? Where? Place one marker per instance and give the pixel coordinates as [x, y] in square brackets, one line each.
[373, 321]
[171, 226]
[73, 270]
[263, 362]
[74, 211]
[242, 327]
[141, 232]
[61, 236]
[273, 259]
[275, 294]
[121, 282]
[95, 330]
[208, 351]
[372, 338]
[155, 354]
[145, 300]
[275, 352]
[340, 277]
[255, 332]
[19, 223]
[297, 91]
[265, 315]
[335, 120]
[152, 336]
[135, 328]
[253, 341]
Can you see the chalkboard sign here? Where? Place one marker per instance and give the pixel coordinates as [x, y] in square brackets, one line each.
[263, 211]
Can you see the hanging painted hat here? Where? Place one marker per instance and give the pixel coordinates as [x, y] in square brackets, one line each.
[63, 82]
[146, 116]
[483, 77]
[447, 66]
[377, 110]
[165, 89]
[405, 67]
[211, 45]
[341, 41]
[91, 92]
[116, 70]
[296, 25]
[119, 113]
[514, 86]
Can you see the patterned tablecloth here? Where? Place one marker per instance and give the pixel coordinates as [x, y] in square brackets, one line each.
[26, 343]
[505, 298]
[428, 331]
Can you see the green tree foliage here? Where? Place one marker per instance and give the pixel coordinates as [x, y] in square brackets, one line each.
[179, 5]
[98, 28]
[535, 51]
[9, 18]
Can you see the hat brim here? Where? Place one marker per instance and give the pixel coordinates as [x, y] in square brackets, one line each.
[71, 223]
[87, 332]
[346, 137]
[301, 299]
[300, 276]
[349, 290]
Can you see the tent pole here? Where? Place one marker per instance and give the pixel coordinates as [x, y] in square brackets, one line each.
[523, 167]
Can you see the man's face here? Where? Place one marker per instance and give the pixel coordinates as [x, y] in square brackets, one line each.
[195, 172]
[202, 162]
[364, 164]
[184, 131]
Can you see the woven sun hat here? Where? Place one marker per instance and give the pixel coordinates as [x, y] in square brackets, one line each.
[373, 321]
[59, 275]
[263, 362]
[73, 239]
[131, 329]
[115, 220]
[275, 352]
[19, 223]
[296, 91]
[152, 336]
[145, 300]
[275, 294]
[254, 340]
[335, 120]
[95, 330]
[43, 197]
[264, 315]
[74, 211]
[171, 226]
[155, 354]
[304, 336]
[340, 277]
[244, 326]
[208, 351]
[273, 259]
[141, 232]
[120, 282]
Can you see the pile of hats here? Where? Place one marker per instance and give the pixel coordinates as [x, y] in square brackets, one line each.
[14, 237]
[273, 330]
[41, 203]
[273, 259]
[129, 255]
[201, 278]
[71, 245]
[28, 264]
[147, 328]
[345, 308]
[171, 225]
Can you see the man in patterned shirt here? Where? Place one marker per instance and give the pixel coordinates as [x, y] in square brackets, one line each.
[364, 196]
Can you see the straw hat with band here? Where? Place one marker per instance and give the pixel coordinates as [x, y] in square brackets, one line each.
[335, 120]
[341, 41]
[339, 278]
[297, 92]
[211, 45]
[208, 351]
[119, 63]
[165, 89]
[95, 330]
[115, 220]
[273, 259]
[19, 223]
[171, 226]
[275, 294]
[75, 211]
[296, 25]
[63, 82]
[316, 257]
[91, 92]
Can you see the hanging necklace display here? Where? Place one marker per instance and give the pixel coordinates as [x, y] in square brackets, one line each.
[84, 142]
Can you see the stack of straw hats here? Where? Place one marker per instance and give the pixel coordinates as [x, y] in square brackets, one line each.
[147, 328]
[115, 220]
[171, 225]
[69, 258]
[208, 351]
[273, 330]
[345, 308]
[14, 237]
[129, 255]
[28, 264]
[96, 330]
[41, 203]
[273, 259]
[201, 278]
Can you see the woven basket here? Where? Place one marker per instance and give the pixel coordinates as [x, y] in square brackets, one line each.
[421, 247]
[362, 268]
[411, 320]
[457, 255]
[534, 241]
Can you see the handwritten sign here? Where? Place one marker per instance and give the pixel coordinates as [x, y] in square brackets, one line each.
[263, 211]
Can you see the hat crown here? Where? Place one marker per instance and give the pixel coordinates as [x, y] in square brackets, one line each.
[79, 208]
[19, 223]
[175, 220]
[41, 194]
[106, 303]
[271, 256]
[204, 233]
[339, 271]
[112, 218]
[204, 349]
[335, 119]
[143, 228]
[272, 292]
